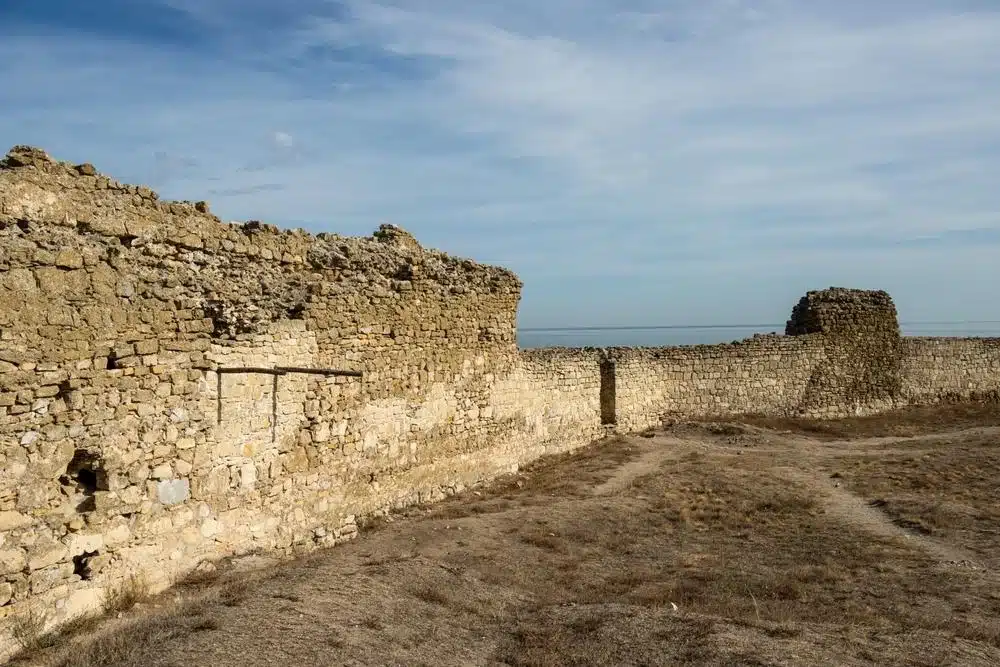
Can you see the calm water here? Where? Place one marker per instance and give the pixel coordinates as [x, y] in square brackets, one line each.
[679, 335]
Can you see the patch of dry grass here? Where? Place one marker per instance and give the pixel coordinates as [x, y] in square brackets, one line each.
[130, 642]
[431, 594]
[199, 577]
[234, 591]
[943, 487]
[126, 594]
[906, 422]
[125, 641]
[28, 629]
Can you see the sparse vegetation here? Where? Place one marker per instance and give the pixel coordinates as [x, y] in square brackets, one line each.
[728, 543]
[372, 622]
[431, 595]
[199, 577]
[29, 630]
[129, 644]
[233, 591]
[132, 590]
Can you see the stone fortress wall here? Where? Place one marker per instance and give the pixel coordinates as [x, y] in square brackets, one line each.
[175, 389]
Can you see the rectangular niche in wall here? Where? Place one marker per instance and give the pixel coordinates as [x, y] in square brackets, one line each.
[608, 408]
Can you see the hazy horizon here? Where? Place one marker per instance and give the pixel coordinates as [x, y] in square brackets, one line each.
[673, 335]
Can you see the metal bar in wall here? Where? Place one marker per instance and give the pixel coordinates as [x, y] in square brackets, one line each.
[274, 408]
[284, 370]
[251, 369]
[320, 371]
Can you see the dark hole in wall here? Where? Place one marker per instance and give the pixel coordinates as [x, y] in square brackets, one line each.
[84, 226]
[112, 362]
[64, 390]
[88, 504]
[81, 564]
[608, 407]
[127, 240]
[404, 272]
[24, 225]
[297, 311]
[228, 319]
[84, 476]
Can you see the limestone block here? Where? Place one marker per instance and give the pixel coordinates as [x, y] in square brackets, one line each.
[248, 475]
[173, 491]
[12, 520]
[209, 528]
[162, 472]
[6, 593]
[69, 258]
[79, 543]
[117, 536]
[84, 600]
[12, 560]
[48, 578]
[46, 554]
[321, 432]
[132, 495]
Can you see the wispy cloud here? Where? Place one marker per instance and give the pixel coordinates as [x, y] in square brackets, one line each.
[673, 164]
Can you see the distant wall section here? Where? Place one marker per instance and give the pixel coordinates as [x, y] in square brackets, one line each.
[766, 374]
[935, 369]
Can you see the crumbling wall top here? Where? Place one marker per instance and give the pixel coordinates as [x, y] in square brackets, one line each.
[842, 311]
[39, 190]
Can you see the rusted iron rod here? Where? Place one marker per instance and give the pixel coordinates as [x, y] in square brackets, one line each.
[268, 371]
[319, 371]
[285, 370]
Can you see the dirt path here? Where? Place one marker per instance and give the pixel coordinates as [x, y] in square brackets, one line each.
[578, 562]
[654, 452]
[858, 513]
[798, 459]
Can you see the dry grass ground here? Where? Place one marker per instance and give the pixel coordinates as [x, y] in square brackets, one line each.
[764, 542]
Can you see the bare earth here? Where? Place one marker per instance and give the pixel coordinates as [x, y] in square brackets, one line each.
[765, 542]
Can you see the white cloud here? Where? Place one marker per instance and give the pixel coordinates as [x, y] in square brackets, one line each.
[283, 140]
[570, 138]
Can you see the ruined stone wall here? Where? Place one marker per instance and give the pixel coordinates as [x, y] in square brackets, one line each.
[841, 355]
[131, 441]
[861, 340]
[155, 409]
[935, 369]
[765, 375]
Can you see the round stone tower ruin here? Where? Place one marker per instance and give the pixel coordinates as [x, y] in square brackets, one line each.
[861, 341]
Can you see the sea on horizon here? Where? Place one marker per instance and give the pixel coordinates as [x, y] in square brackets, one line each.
[667, 336]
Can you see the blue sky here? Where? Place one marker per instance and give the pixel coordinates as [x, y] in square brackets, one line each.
[636, 162]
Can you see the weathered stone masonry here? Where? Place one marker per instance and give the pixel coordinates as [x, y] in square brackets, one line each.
[143, 426]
